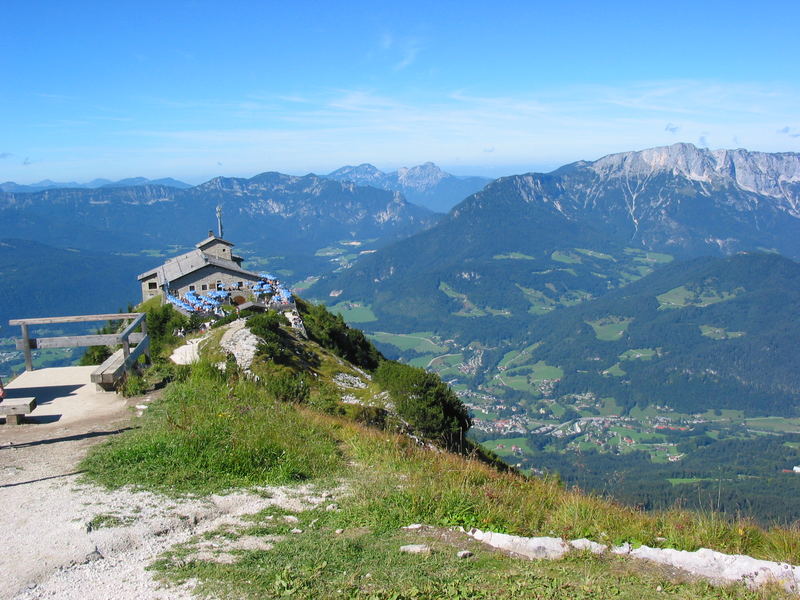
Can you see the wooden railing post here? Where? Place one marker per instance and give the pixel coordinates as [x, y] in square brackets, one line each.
[147, 356]
[26, 347]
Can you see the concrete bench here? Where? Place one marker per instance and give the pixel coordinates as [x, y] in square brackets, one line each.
[15, 409]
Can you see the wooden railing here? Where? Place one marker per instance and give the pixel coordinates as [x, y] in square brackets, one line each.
[125, 338]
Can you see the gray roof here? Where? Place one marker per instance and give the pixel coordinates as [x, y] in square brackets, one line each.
[213, 238]
[190, 262]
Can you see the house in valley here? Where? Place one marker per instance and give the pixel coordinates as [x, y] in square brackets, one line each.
[212, 265]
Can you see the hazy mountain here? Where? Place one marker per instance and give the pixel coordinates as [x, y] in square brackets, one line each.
[424, 184]
[47, 184]
[299, 225]
[577, 231]
[40, 280]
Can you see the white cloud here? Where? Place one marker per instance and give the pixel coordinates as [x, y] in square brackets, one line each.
[324, 129]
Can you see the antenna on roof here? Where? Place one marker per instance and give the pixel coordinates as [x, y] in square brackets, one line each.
[219, 220]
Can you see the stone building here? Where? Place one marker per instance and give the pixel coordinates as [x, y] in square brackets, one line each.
[211, 265]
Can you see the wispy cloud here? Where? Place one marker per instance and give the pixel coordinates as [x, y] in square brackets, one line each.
[325, 128]
[789, 131]
[402, 50]
[4, 155]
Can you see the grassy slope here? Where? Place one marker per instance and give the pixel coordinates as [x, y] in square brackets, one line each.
[212, 432]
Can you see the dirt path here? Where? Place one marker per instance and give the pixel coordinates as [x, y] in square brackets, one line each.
[65, 538]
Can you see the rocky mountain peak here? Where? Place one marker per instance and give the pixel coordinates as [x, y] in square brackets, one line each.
[424, 176]
[757, 172]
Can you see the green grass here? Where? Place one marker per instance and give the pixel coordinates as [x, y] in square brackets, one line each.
[719, 333]
[353, 312]
[361, 563]
[541, 303]
[638, 354]
[513, 256]
[650, 257]
[609, 406]
[684, 480]
[595, 254]
[681, 297]
[615, 370]
[208, 435]
[330, 251]
[521, 442]
[574, 297]
[569, 258]
[779, 424]
[419, 342]
[611, 328]
[422, 361]
[468, 309]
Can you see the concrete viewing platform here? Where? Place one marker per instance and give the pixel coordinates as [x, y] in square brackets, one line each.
[63, 396]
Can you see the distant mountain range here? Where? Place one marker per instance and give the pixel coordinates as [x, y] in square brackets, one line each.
[679, 200]
[525, 247]
[426, 184]
[47, 184]
[271, 212]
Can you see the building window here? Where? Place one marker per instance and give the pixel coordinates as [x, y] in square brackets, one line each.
[152, 285]
[204, 287]
[191, 288]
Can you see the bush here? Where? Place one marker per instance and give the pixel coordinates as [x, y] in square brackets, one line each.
[133, 385]
[95, 355]
[327, 399]
[331, 332]
[426, 402]
[287, 387]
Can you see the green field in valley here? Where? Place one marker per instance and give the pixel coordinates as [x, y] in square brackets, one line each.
[611, 328]
[354, 312]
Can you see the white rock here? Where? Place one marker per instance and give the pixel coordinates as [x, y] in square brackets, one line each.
[584, 544]
[296, 531]
[534, 547]
[464, 554]
[414, 526]
[416, 549]
[291, 519]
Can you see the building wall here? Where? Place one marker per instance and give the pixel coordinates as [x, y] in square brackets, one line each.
[218, 249]
[150, 287]
[208, 276]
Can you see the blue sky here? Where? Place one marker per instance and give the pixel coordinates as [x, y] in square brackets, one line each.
[198, 89]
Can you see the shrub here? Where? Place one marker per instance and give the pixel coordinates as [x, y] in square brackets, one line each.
[426, 402]
[286, 387]
[331, 332]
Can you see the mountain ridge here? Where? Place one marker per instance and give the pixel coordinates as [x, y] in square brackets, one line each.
[424, 184]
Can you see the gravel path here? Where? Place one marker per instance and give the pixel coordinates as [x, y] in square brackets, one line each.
[67, 539]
